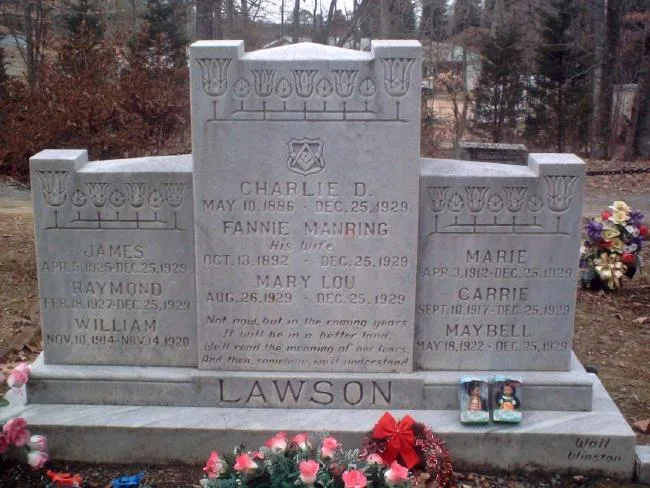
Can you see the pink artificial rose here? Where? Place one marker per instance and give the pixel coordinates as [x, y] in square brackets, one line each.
[15, 431]
[354, 479]
[329, 446]
[278, 442]
[19, 376]
[4, 443]
[375, 458]
[37, 459]
[396, 474]
[38, 443]
[301, 440]
[214, 466]
[244, 463]
[308, 471]
[257, 455]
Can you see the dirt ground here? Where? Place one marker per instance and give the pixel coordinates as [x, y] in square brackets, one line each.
[612, 334]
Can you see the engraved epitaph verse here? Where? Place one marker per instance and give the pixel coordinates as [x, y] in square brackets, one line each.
[306, 228]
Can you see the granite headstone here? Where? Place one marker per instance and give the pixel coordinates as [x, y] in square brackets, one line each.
[498, 258]
[305, 179]
[114, 244]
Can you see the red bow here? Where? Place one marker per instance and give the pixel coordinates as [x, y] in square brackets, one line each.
[401, 439]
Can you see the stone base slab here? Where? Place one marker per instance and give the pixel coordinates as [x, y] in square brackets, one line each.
[596, 442]
[188, 387]
[642, 473]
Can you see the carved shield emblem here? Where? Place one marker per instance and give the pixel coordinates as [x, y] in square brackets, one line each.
[305, 156]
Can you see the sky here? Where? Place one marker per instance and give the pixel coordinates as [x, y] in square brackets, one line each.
[274, 6]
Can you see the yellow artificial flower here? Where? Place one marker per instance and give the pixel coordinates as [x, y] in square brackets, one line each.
[620, 206]
[609, 233]
[616, 244]
[610, 270]
[619, 217]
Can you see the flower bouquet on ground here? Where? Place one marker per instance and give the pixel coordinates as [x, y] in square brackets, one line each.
[612, 248]
[14, 431]
[320, 461]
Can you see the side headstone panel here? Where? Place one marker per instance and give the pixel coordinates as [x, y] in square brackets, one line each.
[306, 171]
[498, 257]
[115, 257]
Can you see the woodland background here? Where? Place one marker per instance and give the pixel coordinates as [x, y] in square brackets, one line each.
[111, 75]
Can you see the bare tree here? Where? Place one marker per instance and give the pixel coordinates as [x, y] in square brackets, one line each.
[30, 32]
[295, 24]
[609, 64]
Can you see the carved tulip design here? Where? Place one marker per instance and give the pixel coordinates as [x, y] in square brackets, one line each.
[136, 193]
[54, 183]
[515, 197]
[214, 75]
[475, 197]
[437, 197]
[560, 191]
[173, 193]
[264, 79]
[304, 79]
[397, 75]
[455, 203]
[98, 193]
[344, 80]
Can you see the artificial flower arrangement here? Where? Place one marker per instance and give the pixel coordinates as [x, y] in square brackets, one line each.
[396, 454]
[14, 432]
[613, 246]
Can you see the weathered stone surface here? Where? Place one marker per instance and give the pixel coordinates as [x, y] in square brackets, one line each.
[114, 244]
[498, 257]
[642, 473]
[305, 178]
[120, 385]
[599, 441]
[491, 152]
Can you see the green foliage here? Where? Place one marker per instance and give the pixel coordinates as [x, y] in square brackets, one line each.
[162, 36]
[501, 83]
[81, 15]
[82, 48]
[561, 105]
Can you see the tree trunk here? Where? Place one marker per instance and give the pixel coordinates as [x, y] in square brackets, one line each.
[204, 20]
[383, 19]
[640, 119]
[30, 56]
[315, 34]
[244, 13]
[598, 22]
[330, 19]
[612, 36]
[295, 24]
[217, 19]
